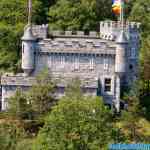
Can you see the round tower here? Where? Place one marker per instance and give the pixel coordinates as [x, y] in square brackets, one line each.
[121, 46]
[28, 50]
[120, 66]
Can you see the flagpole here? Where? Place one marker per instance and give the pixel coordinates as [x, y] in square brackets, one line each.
[29, 11]
[122, 14]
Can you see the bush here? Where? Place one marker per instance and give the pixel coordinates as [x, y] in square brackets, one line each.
[83, 123]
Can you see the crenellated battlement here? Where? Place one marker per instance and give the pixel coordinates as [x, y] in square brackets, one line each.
[118, 24]
[92, 34]
[40, 31]
[111, 29]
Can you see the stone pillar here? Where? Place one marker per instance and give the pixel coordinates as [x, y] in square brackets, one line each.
[117, 93]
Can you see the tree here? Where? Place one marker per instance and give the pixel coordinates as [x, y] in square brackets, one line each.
[78, 14]
[17, 105]
[141, 13]
[15, 11]
[40, 96]
[42, 17]
[10, 135]
[34, 102]
[73, 89]
[83, 123]
[13, 18]
[131, 117]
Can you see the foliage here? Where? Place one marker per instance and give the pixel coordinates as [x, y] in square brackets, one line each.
[18, 105]
[130, 118]
[145, 58]
[141, 13]
[9, 45]
[73, 89]
[72, 124]
[78, 14]
[10, 135]
[13, 17]
[41, 94]
[34, 102]
[25, 144]
[83, 123]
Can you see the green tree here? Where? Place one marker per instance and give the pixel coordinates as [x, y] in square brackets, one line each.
[15, 11]
[13, 17]
[141, 13]
[10, 135]
[78, 14]
[41, 94]
[34, 102]
[131, 117]
[17, 105]
[73, 89]
[75, 124]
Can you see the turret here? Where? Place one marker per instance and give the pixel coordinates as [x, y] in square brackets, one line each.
[121, 46]
[28, 44]
[120, 66]
[28, 50]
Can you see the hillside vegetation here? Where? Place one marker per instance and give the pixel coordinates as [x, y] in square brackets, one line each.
[35, 120]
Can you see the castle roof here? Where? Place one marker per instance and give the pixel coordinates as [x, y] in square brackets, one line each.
[28, 35]
[77, 45]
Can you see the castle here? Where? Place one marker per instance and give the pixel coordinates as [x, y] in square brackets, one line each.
[104, 61]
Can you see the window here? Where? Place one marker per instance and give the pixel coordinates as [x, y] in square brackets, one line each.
[107, 84]
[62, 60]
[76, 63]
[50, 61]
[130, 66]
[133, 52]
[106, 64]
[92, 63]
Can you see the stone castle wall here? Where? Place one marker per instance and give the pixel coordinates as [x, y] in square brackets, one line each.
[87, 56]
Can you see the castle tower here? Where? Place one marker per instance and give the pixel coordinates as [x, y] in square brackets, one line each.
[28, 49]
[28, 45]
[120, 65]
[121, 46]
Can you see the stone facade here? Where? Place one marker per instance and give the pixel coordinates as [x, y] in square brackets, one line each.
[104, 61]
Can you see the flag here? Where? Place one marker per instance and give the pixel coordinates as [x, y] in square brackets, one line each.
[116, 6]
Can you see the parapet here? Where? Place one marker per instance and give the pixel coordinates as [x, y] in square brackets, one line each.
[81, 34]
[17, 80]
[118, 24]
[111, 29]
[40, 31]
